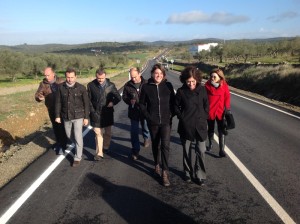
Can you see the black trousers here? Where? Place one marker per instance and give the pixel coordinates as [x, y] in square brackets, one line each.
[59, 131]
[160, 136]
[211, 127]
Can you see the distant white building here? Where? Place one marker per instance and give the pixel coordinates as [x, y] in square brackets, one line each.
[200, 47]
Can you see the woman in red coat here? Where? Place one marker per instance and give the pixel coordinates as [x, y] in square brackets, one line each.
[219, 101]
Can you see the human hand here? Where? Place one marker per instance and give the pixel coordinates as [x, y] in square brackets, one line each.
[132, 101]
[228, 112]
[110, 104]
[58, 120]
[41, 97]
[85, 122]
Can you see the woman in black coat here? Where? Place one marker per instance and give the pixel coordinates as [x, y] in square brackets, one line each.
[157, 103]
[191, 108]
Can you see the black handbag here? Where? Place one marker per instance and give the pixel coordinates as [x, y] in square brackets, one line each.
[228, 121]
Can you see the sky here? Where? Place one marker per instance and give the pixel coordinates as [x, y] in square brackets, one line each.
[77, 22]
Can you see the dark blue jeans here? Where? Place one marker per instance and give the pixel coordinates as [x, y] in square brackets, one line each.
[134, 134]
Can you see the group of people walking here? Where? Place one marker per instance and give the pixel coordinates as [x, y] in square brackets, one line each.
[152, 103]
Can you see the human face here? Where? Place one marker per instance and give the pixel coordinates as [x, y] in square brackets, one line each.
[135, 76]
[71, 78]
[101, 78]
[49, 74]
[191, 83]
[158, 76]
[215, 77]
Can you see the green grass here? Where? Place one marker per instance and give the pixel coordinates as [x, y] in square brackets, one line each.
[281, 82]
[16, 104]
[177, 67]
[6, 82]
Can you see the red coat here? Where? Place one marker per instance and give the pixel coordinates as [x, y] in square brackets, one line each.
[219, 98]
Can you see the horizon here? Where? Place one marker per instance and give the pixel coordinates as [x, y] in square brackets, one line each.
[76, 22]
[146, 41]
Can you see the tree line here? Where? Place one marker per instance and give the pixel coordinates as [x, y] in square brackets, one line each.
[244, 50]
[17, 64]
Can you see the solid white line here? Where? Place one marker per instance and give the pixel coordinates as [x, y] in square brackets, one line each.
[258, 186]
[14, 208]
[266, 105]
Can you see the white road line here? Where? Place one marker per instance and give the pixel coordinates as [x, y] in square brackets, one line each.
[14, 208]
[266, 105]
[258, 186]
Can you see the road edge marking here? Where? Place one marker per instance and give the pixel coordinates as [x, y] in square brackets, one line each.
[20, 201]
[282, 214]
[266, 105]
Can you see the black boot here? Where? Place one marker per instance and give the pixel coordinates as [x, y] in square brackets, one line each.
[222, 145]
[210, 138]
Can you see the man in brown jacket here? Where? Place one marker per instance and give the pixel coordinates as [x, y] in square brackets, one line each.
[46, 92]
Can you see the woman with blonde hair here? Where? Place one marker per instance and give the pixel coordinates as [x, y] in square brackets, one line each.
[219, 103]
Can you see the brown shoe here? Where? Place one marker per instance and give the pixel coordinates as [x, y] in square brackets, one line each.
[146, 142]
[165, 178]
[157, 170]
[75, 163]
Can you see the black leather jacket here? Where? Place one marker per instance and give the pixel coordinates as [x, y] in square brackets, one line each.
[157, 102]
[129, 91]
[101, 115]
[72, 102]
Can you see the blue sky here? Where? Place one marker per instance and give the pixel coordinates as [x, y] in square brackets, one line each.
[75, 22]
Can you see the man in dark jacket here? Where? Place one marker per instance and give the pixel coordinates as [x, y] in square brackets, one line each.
[72, 105]
[130, 96]
[46, 92]
[103, 95]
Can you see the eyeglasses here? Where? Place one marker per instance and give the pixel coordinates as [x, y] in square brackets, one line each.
[214, 76]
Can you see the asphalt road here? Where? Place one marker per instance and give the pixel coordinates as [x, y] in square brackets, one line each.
[117, 190]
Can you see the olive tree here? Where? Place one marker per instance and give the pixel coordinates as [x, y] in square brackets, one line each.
[11, 63]
[34, 66]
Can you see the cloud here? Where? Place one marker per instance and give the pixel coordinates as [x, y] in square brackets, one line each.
[141, 21]
[283, 16]
[200, 17]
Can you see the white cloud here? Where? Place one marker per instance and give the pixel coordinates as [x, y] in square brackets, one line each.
[283, 16]
[200, 17]
[142, 21]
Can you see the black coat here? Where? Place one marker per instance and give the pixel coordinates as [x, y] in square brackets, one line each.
[102, 116]
[72, 102]
[129, 93]
[191, 108]
[157, 102]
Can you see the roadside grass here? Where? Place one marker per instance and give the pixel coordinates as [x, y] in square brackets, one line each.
[281, 82]
[177, 67]
[6, 82]
[16, 104]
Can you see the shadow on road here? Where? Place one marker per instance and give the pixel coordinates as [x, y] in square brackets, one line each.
[135, 206]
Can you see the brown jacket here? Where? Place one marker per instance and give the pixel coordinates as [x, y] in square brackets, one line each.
[48, 90]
